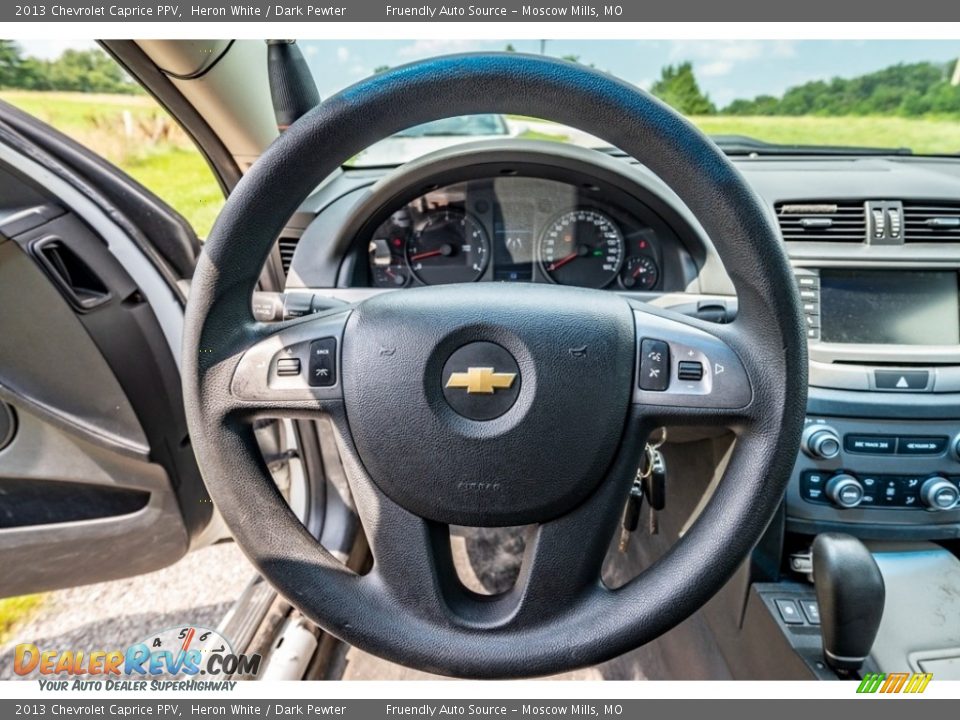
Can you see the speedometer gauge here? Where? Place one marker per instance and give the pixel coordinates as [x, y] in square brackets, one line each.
[448, 247]
[582, 247]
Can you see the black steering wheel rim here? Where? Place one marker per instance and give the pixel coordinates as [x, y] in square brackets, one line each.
[405, 610]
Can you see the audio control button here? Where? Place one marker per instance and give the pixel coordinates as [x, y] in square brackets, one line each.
[915, 445]
[870, 444]
[821, 441]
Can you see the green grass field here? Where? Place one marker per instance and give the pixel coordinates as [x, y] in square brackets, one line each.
[15, 610]
[132, 132]
[932, 136]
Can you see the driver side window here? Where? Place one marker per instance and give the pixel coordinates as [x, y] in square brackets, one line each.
[87, 96]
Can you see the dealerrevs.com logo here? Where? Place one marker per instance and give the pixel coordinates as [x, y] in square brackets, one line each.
[913, 683]
[173, 659]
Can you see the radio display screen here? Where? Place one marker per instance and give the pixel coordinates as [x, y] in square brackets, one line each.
[889, 307]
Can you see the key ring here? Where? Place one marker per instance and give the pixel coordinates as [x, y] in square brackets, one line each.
[661, 441]
[648, 456]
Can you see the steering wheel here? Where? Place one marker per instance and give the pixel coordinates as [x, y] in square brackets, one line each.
[494, 404]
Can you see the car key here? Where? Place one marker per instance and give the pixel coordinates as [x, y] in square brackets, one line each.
[631, 513]
[655, 489]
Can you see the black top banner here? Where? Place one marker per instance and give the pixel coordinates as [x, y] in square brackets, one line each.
[322, 11]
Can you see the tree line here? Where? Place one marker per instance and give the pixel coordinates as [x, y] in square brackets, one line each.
[908, 90]
[74, 70]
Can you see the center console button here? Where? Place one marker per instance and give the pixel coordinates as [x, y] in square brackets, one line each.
[938, 493]
[845, 490]
[901, 379]
[870, 444]
[915, 445]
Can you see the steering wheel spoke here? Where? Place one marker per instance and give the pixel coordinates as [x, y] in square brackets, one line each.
[291, 371]
[564, 557]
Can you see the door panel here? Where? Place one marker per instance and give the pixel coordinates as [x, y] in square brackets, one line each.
[99, 480]
[61, 553]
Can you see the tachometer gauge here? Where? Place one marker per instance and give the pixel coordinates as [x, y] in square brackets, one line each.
[396, 274]
[640, 273]
[389, 268]
[582, 247]
[448, 247]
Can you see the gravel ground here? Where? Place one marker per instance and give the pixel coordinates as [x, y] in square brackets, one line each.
[199, 589]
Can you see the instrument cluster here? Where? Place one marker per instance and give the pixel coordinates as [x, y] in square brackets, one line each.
[519, 229]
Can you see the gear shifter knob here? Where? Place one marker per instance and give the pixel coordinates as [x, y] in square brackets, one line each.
[851, 594]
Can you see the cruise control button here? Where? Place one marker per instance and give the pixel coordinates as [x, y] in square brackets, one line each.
[901, 379]
[912, 445]
[654, 365]
[322, 369]
[871, 444]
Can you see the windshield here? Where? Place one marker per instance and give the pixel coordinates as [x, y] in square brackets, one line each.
[753, 97]
[468, 125]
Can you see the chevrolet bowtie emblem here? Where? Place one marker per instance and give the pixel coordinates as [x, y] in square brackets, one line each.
[481, 380]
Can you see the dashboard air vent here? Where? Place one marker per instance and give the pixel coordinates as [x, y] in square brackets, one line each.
[931, 222]
[823, 221]
[287, 246]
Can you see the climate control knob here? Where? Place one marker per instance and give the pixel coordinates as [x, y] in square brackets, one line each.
[938, 493]
[821, 442]
[845, 490]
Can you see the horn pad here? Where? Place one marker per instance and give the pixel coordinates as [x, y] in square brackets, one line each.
[488, 405]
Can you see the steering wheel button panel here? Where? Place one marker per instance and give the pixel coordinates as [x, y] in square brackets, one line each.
[722, 381]
[264, 372]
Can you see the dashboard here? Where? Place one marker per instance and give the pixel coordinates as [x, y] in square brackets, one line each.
[521, 229]
[875, 247]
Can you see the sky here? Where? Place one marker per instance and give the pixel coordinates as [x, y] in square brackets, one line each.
[726, 69]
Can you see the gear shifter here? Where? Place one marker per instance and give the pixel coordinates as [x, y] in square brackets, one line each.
[851, 594]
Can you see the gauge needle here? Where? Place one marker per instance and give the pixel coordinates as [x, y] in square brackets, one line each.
[563, 261]
[424, 255]
[581, 251]
[445, 249]
[636, 273]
